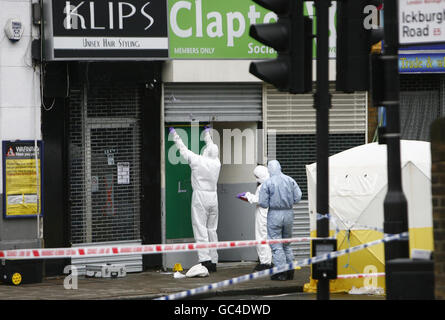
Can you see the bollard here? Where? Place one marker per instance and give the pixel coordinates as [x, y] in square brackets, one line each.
[409, 279]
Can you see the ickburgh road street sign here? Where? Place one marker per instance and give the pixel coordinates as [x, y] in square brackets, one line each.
[421, 21]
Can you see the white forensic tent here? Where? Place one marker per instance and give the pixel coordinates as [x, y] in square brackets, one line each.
[357, 189]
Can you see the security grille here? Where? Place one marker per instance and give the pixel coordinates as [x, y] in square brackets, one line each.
[212, 102]
[295, 151]
[422, 100]
[291, 139]
[104, 164]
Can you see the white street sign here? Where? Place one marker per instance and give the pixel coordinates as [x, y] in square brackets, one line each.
[421, 21]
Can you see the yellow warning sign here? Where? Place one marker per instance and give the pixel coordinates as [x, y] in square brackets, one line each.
[21, 187]
[22, 184]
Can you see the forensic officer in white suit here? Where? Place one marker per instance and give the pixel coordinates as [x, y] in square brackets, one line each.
[204, 210]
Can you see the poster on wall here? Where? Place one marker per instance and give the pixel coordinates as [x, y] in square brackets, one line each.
[22, 183]
[123, 173]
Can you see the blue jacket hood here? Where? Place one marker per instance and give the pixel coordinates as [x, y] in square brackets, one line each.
[279, 192]
[274, 167]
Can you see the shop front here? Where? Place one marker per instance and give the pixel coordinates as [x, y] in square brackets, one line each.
[113, 82]
[422, 87]
[234, 110]
[101, 84]
[209, 82]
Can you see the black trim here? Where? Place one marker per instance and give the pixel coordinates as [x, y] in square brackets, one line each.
[151, 167]
[56, 219]
[110, 54]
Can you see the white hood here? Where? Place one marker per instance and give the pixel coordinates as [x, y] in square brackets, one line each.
[261, 174]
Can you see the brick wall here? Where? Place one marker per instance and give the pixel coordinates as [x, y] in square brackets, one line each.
[373, 120]
[438, 193]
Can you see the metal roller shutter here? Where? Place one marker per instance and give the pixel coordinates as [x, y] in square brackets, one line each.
[105, 141]
[301, 228]
[187, 102]
[291, 124]
[295, 114]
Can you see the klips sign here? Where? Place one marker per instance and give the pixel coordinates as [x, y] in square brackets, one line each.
[105, 29]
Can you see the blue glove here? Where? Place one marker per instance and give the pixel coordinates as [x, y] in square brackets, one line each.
[171, 130]
[241, 195]
[207, 128]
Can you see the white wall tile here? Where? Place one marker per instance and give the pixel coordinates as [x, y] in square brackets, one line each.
[19, 87]
[16, 54]
[19, 123]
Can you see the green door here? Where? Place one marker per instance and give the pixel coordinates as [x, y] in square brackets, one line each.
[178, 188]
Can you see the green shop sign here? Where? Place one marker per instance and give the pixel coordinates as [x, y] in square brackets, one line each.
[219, 29]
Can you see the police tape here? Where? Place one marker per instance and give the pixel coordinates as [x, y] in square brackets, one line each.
[286, 267]
[361, 275]
[100, 251]
[335, 221]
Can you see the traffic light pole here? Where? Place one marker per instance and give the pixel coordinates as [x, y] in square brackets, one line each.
[395, 203]
[322, 101]
[405, 278]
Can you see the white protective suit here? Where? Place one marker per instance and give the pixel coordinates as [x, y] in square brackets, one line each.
[264, 252]
[205, 174]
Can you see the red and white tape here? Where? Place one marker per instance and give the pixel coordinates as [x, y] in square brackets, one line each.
[53, 253]
[360, 275]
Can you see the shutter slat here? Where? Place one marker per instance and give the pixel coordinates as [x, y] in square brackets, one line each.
[216, 102]
[295, 114]
[301, 228]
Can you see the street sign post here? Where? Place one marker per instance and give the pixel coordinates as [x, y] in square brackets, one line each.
[322, 104]
[405, 278]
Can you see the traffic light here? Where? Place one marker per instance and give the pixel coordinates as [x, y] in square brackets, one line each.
[291, 37]
[355, 37]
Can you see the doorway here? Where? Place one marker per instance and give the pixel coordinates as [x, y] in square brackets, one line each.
[104, 167]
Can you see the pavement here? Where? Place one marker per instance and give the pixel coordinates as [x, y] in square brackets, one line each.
[152, 284]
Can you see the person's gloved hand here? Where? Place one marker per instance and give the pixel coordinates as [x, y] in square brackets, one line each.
[171, 130]
[207, 128]
[241, 195]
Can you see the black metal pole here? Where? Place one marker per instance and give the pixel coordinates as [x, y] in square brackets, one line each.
[395, 203]
[322, 99]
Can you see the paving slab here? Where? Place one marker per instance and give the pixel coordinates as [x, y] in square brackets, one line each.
[151, 284]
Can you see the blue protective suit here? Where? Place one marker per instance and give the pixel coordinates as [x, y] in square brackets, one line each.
[279, 193]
